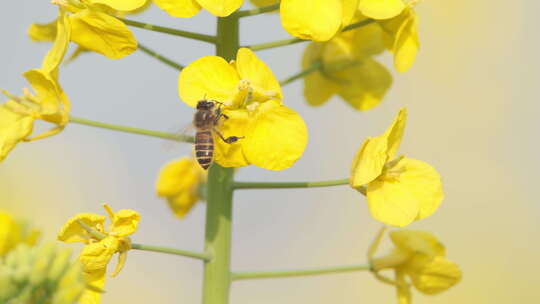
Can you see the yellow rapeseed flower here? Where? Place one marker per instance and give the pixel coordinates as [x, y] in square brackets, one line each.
[347, 68]
[179, 182]
[98, 252]
[422, 258]
[93, 27]
[400, 35]
[274, 136]
[189, 8]
[399, 190]
[49, 103]
[14, 232]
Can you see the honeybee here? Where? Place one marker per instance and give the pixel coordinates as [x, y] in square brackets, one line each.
[206, 120]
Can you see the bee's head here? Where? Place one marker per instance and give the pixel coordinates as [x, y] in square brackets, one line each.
[205, 105]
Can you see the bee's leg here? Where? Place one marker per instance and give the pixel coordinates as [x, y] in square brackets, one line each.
[230, 139]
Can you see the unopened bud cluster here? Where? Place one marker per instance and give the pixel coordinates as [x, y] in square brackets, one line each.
[43, 274]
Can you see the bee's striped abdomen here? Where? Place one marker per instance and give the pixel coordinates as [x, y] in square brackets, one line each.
[204, 148]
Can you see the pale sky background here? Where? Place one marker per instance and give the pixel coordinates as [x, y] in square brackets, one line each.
[473, 114]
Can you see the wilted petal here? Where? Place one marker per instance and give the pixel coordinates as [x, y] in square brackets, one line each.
[232, 155]
[14, 127]
[276, 137]
[381, 9]
[60, 46]
[72, 232]
[179, 8]
[96, 256]
[317, 20]
[102, 33]
[221, 8]
[45, 32]
[121, 5]
[259, 75]
[209, 77]
[125, 222]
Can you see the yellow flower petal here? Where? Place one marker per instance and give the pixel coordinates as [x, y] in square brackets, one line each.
[102, 33]
[121, 5]
[259, 75]
[369, 161]
[60, 46]
[408, 191]
[14, 128]
[72, 232]
[381, 9]
[317, 20]
[276, 137]
[96, 256]
[221, 8]
[209, 77]
[125, 222]
[394, 133]
[96, 280]
[391, 203]
[401, 36]
[435, 275]
[179, 8]
[367, 84]
[179, 183]
[368, 40]
[317, 88]
[413, 241]
[45, 32]
[232, 155]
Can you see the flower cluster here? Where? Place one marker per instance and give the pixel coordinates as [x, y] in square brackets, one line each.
[100, 245]
[42, 274]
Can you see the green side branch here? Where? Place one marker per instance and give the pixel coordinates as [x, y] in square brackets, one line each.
[298, 273]
[313, 68]
[170, 31]
[174, 251]
[285, 185]
[160, 57]
[284, 42]
[132, 130]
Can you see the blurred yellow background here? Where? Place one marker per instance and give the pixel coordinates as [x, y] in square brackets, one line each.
[473, 106]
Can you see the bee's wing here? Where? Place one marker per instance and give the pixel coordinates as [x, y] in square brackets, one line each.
[184, 131]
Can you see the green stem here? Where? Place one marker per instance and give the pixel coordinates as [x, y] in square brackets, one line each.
[283, 185]
[126, 129]
[313, 68]
[257, 11]
[298, 273]
[278, 43]
[170, 31]
[160, 57]
[217, 271]
[185, 253]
